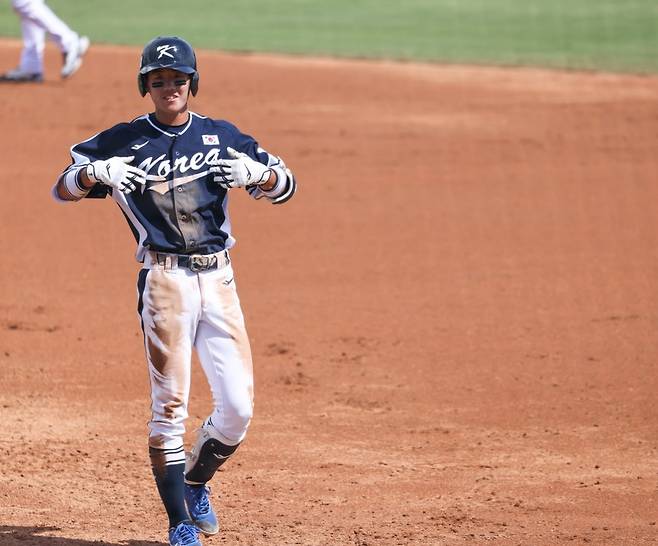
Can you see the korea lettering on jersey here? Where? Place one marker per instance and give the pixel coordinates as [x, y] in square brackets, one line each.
[180, 210]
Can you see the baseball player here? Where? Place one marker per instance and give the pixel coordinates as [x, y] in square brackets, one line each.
[170, 172]
[37, 20]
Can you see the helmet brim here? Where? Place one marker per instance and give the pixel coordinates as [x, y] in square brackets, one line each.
[172, 66]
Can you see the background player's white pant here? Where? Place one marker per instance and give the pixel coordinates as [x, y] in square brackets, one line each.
[37, 19]
[181, 310]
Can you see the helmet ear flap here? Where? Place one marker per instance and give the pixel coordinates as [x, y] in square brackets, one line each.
[141, 84]
[194, 84]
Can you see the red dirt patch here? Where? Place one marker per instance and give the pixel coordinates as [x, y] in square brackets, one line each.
[454, 323]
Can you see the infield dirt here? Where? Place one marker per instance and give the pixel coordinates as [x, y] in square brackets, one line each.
[454, 323]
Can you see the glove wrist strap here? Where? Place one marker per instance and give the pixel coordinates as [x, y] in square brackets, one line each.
[278, 185]
[265, 178]
[91, 175]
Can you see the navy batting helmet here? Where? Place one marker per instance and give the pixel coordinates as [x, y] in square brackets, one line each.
[168, 52]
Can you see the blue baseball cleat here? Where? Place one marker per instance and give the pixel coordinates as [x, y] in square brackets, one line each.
[184, 534]
[198, 504]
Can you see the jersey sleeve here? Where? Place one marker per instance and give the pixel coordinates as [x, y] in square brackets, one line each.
[100, 146]
[285, 186]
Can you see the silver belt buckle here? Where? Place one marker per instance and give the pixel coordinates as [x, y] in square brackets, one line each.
[201, 263]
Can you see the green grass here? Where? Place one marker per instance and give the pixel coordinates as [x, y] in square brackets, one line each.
[615, 35]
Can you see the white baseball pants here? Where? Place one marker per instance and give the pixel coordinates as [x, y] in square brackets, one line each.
[181, 310]
[37, 19]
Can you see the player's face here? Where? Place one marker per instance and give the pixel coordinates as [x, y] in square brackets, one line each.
[169, 90]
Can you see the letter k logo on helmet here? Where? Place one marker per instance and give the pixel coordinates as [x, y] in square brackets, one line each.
[165, 49]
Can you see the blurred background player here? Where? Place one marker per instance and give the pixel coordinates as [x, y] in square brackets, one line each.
[37, 19]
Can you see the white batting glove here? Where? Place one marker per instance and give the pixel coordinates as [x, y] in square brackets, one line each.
[240, 171]
[116, 173]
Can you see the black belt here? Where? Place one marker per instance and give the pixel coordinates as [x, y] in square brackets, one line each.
[193, 262]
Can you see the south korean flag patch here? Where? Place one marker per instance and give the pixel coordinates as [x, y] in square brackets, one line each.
[210, 140]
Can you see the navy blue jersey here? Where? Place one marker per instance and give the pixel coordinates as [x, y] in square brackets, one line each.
[180, 209]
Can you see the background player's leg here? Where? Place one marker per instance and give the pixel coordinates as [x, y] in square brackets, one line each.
[38, 13]
[34, 38]
[72, 45]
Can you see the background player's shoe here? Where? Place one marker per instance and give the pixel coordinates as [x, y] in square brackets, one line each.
[184, 534]
[19, 76]
[198, 504]
[73, 57]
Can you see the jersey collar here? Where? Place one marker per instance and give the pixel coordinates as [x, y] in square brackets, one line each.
[169, 130]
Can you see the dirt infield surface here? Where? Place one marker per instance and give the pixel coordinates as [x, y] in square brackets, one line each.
[454, 323]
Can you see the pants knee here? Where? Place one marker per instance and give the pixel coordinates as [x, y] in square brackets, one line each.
[233, 424]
